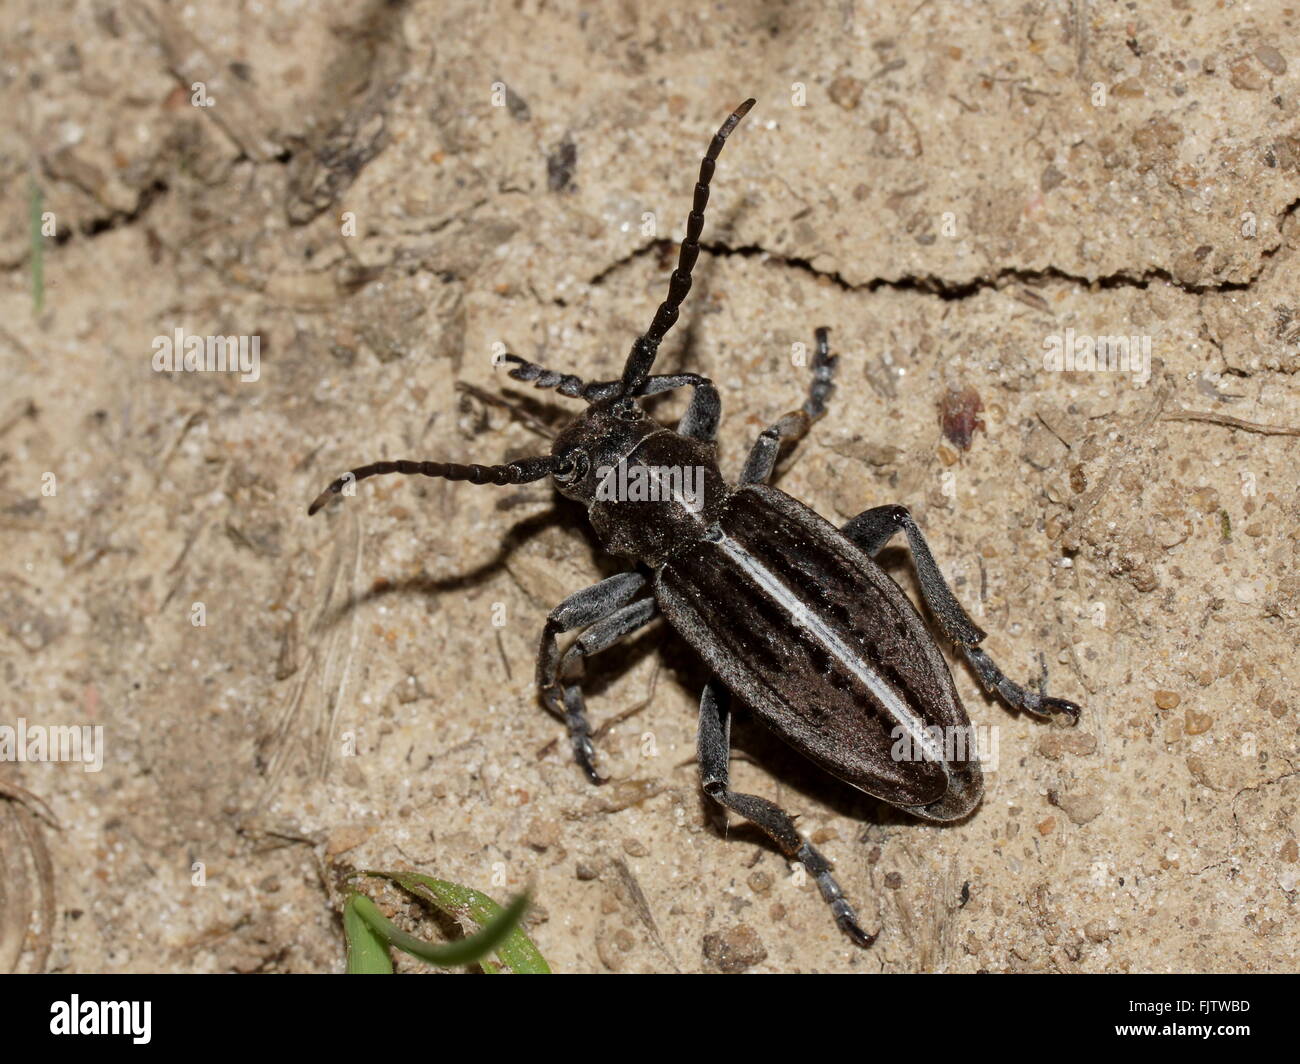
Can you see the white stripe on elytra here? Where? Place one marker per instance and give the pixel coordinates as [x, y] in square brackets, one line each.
[679, 498]
[784, 597]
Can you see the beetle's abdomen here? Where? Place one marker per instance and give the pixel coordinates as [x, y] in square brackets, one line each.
[822, 645]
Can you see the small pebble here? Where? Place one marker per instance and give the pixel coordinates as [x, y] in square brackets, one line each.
[845, 91]
[734, 950]
[1271, 58]
[1245, 75]
[1081, 807]
[1098, 930]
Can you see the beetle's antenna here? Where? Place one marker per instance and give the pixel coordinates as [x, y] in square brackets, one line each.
[564, 383]
[521, 472]
[646, 346]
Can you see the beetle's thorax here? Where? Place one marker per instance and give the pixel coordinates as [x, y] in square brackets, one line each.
[649, 492]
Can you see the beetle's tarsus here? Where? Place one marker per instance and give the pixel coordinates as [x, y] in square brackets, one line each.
[850, 926]
[587, 759]
[1051, 707]
[1033, 702]
[584, 752]
[844, 914]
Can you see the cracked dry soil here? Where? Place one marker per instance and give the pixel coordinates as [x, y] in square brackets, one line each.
[946, 187]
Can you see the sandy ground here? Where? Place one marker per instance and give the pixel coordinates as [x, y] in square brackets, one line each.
[383, 194]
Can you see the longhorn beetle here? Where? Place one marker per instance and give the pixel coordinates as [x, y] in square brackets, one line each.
[792, 616]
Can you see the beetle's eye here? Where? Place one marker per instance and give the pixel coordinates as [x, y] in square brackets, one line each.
[627, 410]
[574, 467]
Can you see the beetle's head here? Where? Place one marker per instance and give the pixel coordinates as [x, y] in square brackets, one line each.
[600, 438]
[596, 441]
[613, 425]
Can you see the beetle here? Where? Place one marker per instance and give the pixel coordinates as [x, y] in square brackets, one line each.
[792, 615]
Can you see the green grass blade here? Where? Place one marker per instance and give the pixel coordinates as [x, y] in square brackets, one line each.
[367, 951]
[516, 951]
[35, 201]
[466, 951]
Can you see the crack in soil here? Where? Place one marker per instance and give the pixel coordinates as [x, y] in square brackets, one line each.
[932, 284]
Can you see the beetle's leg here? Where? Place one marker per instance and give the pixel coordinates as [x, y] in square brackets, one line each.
[823, 368]
[536, 424]
[876, 527]
[604, 633]
[794, 425]
[714, 744]
[700, 422]
[581, 610]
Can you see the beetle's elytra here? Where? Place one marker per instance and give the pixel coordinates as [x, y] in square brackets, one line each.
[792, 615]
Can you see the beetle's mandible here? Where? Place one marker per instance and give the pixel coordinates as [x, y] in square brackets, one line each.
[792, 616]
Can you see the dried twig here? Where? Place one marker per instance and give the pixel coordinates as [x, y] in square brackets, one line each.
[1211, 418]
[528, 419]
[21, 822]
[25, 797]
